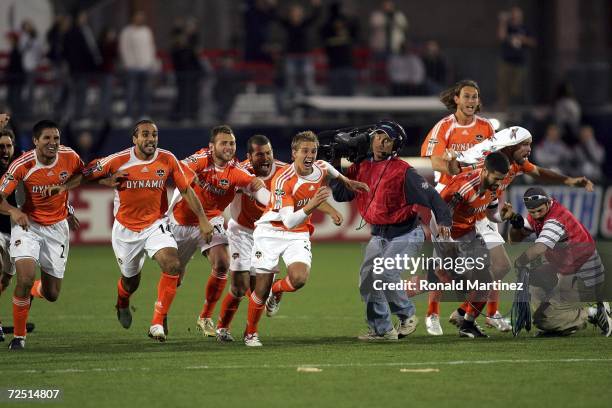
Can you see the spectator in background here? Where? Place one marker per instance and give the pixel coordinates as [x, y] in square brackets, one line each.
[257, 16]
[436, 68]
[552, 152]
[188, 72]
[338, 35]
[406, 73]
[137, 51]
[109, 50]
[388, 28]
[15, 77]
[83, 58]
[55, 54]
[32, 53]
[515, 40]
[566, 110]
[589, 155]
[299, 65]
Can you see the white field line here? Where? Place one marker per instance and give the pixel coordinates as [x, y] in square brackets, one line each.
[328, 365]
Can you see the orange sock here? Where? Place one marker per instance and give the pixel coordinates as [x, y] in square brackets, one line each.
[21, 308]
[283, 285]
[123, 296]
[229, 307]
[493, 303]
[474, 308]
[464, 306]
[433, 306]
[36, 290]
[256, 308]
[214, 290]
[166, 290]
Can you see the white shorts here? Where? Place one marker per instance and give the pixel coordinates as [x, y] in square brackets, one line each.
[489, 232]
[241, 247]
[270, 245]
[47, 244]
[188, 238]
[130, 247]
[6, 264]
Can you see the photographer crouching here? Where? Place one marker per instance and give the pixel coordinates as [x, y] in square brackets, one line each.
[389, 208]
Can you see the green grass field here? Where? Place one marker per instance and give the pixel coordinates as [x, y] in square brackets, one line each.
[79, 347]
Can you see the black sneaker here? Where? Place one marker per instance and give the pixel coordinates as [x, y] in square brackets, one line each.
[471, 330]
[18, 343]
[603, 318]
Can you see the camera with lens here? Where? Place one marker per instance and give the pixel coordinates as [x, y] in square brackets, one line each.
[353, 143]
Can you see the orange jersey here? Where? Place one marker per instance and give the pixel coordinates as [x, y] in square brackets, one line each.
[142, 199]
[467, 204]
[291, 190]
[448, 134]
[215, 187]
[36, 177]
[245, 209]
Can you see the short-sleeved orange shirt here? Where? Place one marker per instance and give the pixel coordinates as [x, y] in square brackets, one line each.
[36, 177]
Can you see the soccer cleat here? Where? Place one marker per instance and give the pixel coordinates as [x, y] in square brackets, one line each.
[18, 343]
[165, 324]
[224, 335]
[432, 324]
[371, 335]
[252, 340]
[456, 319]
[272, 304]
[407, 326]
[471, 330]
[157, 332]
[206, 326]
[124, 315]
[497, 321]
[1, 333]
[603, 318]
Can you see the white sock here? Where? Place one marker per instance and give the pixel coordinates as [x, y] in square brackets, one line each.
[592, 311]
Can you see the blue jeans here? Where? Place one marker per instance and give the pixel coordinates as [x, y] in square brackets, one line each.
[380, 304]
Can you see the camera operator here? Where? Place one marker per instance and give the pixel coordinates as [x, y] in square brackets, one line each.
[389, 207]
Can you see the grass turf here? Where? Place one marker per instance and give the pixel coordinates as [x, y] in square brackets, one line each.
[78, 346]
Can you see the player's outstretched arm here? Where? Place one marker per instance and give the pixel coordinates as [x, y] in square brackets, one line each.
[550, 176]
[206, 228]
[73, 182]
[329, 209]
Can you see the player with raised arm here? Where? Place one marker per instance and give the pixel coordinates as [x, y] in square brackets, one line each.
[219, 175]
[456, 132]
[139, 175]
[284, 228]
[40, 234]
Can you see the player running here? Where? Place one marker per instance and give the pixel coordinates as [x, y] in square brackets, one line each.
[284, 229]
[245, 211]
[40, 234]
[469, 195]
[140, 175]
[456, 132]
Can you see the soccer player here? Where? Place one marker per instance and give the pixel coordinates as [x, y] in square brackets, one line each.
[573, 274]
[284, 228]
[7, 269]
[515, 143]
[469, 195]
[245, 211]
[219, 175]
[139, 175]
[41, 232]
[456, 132]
